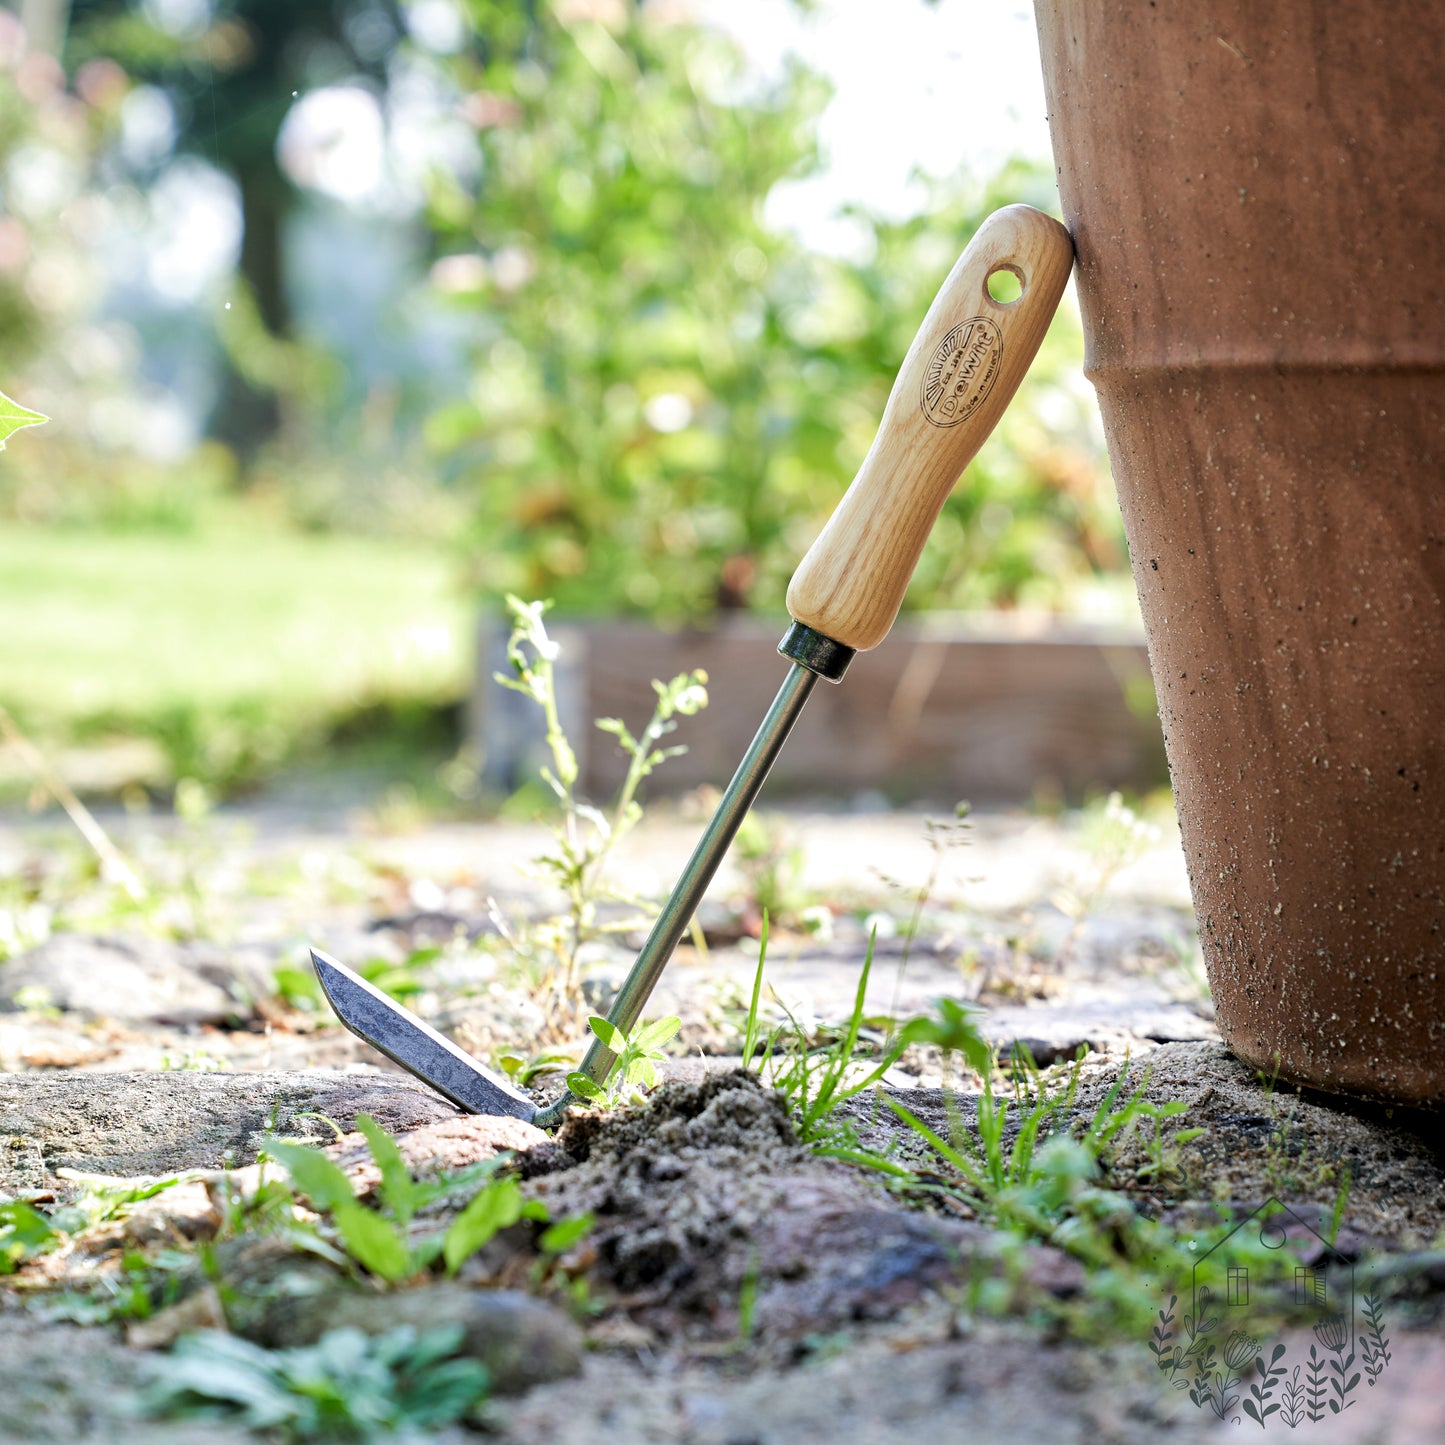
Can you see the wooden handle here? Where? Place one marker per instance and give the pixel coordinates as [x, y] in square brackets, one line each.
[960, 373]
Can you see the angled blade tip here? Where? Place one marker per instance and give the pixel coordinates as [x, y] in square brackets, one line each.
[411, 1042]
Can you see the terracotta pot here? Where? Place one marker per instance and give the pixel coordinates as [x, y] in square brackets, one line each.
[1255, 195]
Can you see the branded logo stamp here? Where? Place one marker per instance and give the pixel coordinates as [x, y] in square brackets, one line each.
[1242, 1285]
[962, 371]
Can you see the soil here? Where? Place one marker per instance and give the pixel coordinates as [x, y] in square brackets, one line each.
[735, 1285]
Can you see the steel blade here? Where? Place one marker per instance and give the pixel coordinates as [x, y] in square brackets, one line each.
[416, 1046]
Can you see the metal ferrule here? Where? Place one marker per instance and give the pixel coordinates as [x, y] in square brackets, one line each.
[817, 653]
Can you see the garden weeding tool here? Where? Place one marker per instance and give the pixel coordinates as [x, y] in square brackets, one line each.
[960, 373]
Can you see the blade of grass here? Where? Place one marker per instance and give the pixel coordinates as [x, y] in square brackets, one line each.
[750, 1035]
[112, 864]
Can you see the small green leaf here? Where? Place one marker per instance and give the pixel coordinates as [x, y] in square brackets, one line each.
[655, 1035]
[23, 1231]
[396, 979]
[372, 1242]
[496, 1207]
[296, 985]
[312, 1173]
[396, 1184]
[610, 1034]
[13, 416]
[565, 1233]
[583, 1087]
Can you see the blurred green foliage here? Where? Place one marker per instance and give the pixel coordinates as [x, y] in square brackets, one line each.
[665, 396]
[51, 139]
[626, 416]
[230, 70]
[668, 397]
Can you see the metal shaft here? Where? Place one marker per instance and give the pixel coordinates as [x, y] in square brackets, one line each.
[677, 913]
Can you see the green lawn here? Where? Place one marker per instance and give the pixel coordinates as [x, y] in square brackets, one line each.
[232, 642]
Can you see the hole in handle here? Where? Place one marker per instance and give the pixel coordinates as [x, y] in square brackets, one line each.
[1005, 284]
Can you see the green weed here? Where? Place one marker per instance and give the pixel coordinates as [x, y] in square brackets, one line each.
[771, 866]
[1025, 1160]
[525, 1069]
[381, 1240]
[1114, 836]
[1288, 1168]
[144, 1284]
[638, 1055]
[584, 838]
[1011, 1172]
[553, 1247]
[349, 1386]
[26, 1232]
[817, 1078]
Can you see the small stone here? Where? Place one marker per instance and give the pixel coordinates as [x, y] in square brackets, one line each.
[522, 1341]
[201, 1311]
[135, 979]
[620, 1333]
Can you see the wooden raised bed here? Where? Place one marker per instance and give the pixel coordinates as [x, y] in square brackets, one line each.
[994, 708]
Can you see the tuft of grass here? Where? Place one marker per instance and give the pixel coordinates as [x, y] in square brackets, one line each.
[816, 1079]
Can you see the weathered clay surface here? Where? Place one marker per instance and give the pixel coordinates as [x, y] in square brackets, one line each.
[156, 1124]
[1262, 279]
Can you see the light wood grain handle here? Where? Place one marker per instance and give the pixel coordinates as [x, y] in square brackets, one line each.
[963, 368]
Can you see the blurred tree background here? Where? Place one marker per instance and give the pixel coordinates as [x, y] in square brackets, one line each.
[354, 314]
